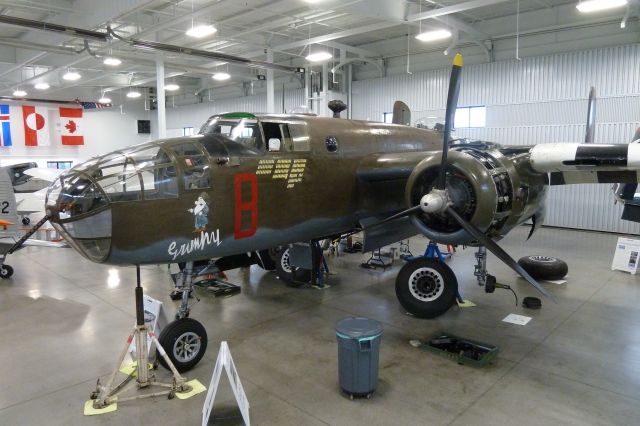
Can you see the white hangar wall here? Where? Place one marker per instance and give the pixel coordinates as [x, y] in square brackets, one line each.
[195, 115]
[534, 100]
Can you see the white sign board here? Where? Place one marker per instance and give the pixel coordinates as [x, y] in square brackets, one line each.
[155, 318]
[625, 257]
[225, 361]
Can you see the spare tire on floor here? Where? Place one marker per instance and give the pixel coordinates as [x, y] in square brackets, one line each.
[544, 267]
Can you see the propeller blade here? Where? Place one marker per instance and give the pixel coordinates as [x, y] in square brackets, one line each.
[452, 105]
[591, 117]
[497, 250]
[403, 213]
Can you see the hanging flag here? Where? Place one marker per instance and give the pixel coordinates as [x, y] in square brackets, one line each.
[94, 105]
[5, 134]
[70, 126]
[36, 126]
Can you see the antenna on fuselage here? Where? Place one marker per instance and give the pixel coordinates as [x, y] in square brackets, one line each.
[337, 106]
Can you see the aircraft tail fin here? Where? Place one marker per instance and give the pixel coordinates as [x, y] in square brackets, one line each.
[591, 117]
[8, 211]
[401, 114]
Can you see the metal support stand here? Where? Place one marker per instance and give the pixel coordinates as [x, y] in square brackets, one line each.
[106, 395]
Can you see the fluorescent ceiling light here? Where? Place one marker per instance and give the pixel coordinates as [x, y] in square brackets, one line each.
[589, 6]
[71, 76]
[19, 93]
[313, 1]
[221, 76]
[111, 61]
[134, 94]
[319, 56]
[200, 31]
[42, 86]
[434, 35]
[104, 100]
[171, 87]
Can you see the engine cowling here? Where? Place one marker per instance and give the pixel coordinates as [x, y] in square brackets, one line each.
[488, 189]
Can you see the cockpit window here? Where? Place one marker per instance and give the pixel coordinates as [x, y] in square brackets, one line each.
[279, 131]
[244, 130]
[194, 163]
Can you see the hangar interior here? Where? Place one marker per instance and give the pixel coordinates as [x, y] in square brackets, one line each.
[528, 68]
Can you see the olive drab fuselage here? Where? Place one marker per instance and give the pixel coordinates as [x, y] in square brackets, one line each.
[252, 182]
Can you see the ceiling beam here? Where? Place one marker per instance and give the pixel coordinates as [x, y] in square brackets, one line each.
[456, 8]
[443, 11]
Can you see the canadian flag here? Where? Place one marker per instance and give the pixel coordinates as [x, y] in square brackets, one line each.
[70, 126]
[36, 127]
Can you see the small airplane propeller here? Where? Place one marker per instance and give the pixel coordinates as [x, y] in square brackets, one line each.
[438, 200]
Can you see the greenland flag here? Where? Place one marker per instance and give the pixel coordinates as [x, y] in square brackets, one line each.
[70, 126]
[36, 126]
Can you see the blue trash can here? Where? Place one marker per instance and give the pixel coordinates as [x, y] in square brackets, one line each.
[358, 355]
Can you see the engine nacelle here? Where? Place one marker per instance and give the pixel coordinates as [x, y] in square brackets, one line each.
[490, 190]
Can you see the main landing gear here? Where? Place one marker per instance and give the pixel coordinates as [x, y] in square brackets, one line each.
[184, 339]
[427, 287]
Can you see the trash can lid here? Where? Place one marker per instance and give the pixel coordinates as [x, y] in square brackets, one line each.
[358, 327]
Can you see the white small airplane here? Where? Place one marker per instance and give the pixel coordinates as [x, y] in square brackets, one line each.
[10, 230]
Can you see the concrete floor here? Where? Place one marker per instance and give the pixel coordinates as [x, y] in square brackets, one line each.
[63, 321]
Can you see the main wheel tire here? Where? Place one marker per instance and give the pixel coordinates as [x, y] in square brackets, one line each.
[26, 220]
[544, 267]
[6, 271]
[291, 275]
[185, 341]
[426, 287]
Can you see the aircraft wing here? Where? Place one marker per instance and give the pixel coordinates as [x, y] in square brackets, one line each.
[572, 163]
[30, 202]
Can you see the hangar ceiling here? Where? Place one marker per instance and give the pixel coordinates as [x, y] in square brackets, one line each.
[367, 33]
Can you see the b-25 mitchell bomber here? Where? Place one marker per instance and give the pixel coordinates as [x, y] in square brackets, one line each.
[251, 182]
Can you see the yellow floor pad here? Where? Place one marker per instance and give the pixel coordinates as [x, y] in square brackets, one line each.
[90, 411]
[196, 388]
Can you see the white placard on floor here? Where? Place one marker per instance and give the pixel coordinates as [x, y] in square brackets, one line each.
[225, 361]
[517, 319]
[625, 257]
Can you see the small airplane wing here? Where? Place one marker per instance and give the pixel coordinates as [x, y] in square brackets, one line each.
[30, 202]
[45, 174]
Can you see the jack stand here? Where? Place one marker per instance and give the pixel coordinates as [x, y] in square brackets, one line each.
[103, 396]
[432, 251]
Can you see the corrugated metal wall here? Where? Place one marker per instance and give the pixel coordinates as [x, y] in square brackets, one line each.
[534, 100]
[195, 115]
